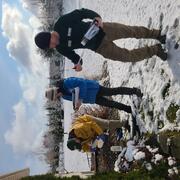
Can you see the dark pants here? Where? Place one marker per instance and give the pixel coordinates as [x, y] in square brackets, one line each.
[103, 101]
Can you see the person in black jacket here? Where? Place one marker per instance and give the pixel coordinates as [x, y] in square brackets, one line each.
[70, 29]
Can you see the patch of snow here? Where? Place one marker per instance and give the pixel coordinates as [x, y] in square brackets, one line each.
[130, 149]
[171, 161]
[150, 75]
[139, 155]
[148, 166]
[158, 157]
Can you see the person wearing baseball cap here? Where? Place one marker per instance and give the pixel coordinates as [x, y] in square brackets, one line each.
[69, 33]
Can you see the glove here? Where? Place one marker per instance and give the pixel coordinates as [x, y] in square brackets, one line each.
[93, 146]
[119, 133]
[101, 139]
[92, 149]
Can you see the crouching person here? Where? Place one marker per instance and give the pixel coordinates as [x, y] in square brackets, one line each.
[89, 91]
[86, 129]
[91, 109]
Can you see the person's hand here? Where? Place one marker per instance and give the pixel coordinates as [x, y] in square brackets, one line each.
[77, 67]
[102, 137]
[93, 146]
[101, 140]
[77, 105]
[98, 22]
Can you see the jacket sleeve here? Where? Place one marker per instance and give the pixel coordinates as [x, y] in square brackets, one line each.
[87, 14]
[72, 82]
[94, 125]
[78, 15]
[72, 56]
[68, 98]
[86, 148]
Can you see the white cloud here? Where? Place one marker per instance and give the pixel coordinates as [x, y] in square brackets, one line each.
[29, 122]
[18, 34]
[21, 46]
[33, 7]
[34, 22]
[38, 167]
[21, 136]
[30, 95]
[25, 133]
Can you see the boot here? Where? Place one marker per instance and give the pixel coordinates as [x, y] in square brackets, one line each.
[127, 126]
[138, 92]
[162, 39]
[161, 53]
[119, 133]
[135, 128]
[128, 109]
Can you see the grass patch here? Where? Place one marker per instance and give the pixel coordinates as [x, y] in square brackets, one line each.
[151, 100]
[142, 113]
[171, 112]
[151, 114]
[162, 71]
[157, 173]
[50, 177]
[165, 91]
[170, 133]
[160, 124]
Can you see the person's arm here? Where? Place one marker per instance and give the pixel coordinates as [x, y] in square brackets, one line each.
[70, 54]
[75, 98]
[94, 125]
[78, 15]
[75, 58]
[68, 98]
[86, 148]
[87, 14]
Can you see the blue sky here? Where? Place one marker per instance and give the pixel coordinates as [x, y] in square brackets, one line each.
[21, 93]
[10, 86]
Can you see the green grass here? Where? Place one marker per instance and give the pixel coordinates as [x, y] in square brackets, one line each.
[165, 91]
[151, 114]
[171, 112]
[49, 177]
[162, 71]
[142, 113]
[170, 133]
[159, 172]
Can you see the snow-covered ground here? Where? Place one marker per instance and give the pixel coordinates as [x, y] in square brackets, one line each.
[151, 75]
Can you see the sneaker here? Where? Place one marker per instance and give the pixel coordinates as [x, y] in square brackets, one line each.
[135, 129]
[161, 53]
[162, 39]
[127, 126]
[138, 92]
[119, 133]
[128, 109]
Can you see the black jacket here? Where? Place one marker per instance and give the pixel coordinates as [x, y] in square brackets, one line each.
[71, 29]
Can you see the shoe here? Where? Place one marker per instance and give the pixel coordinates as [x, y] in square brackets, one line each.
[127, 126]
[161, 53]
[135, 128]
[162, 39]
[138, 92]
[119, 133]
[128, 109]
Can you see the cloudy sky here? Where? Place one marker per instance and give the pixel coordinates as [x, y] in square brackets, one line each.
[23, 78]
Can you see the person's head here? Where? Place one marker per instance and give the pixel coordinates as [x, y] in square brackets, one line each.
[52, 94]
[46, 40]
[73, 142]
